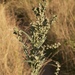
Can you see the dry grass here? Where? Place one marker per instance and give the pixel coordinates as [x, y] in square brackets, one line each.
[64, 26]
[11, 60]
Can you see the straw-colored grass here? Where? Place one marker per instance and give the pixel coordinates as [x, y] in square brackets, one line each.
[11, 60]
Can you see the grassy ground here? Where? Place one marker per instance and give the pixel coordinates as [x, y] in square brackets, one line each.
[63, 30]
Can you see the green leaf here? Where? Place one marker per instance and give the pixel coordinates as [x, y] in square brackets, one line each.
[41, 43]
[26, 35]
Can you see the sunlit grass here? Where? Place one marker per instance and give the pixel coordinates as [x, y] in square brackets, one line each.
[63, 28]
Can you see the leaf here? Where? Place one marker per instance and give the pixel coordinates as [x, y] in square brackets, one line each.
[41, 42]
[26, 35]
[16, 31]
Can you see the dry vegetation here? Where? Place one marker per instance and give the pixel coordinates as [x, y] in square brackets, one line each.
[63, 30]
[11, 60]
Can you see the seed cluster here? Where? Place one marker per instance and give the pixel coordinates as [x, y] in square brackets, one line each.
[58, 68]
[53, 46]
[41, 27]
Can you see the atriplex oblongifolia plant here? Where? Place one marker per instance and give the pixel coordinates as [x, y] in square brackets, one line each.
[39, 29]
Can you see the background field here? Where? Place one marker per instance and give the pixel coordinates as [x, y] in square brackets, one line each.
[62, 30]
